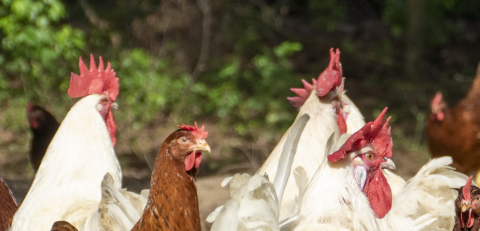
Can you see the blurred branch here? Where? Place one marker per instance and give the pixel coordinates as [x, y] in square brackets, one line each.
[206, 9]
[92, 17]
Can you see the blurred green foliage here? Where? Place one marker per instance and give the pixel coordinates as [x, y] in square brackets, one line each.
[37, 54]
[231, 62]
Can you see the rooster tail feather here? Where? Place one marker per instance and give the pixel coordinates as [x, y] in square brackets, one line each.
[118, 209]
[288, 154]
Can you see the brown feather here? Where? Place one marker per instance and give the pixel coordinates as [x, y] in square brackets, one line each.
[63, 226]
[458, 134]
[8, 206]
[172, 203]
[43, 126]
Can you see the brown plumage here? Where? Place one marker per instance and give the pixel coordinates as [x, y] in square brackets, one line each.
[455, 131]
[173, 203]
[63, 226]
[467, 205]
[8, 206]
[43, 126]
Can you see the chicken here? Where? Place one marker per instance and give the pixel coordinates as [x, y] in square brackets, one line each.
[255, 201]
[455, 131]
[349, 190]
[323, 102]
[424, 202]
[8, 206]
[63, 226]
[467, 208]
[172, 202]
[67, 184]
[43, 126]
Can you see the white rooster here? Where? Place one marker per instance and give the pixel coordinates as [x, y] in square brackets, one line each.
[413, 201]
[349, 191]
[324, 102]
[67, 184]
[333, 199]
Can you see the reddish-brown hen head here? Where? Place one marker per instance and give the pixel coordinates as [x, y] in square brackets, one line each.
[97, 81]
[330, 80]
[437, 107]
[372, 149]
[189, 146]
[469, 205]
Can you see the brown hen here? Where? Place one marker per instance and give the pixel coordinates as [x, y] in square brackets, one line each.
[467, 208]
[173, 203]
[8, 206]
[43, 126]
[455, 131]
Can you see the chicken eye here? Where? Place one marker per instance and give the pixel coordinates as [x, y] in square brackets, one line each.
[369, 156]
[183, 139]
[104, 101]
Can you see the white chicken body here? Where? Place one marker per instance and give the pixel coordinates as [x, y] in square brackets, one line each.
[333, 201]
[67, 184]
[310, 148]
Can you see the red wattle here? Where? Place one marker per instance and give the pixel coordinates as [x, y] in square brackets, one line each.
[189, 161]
[470, 219]
[378, 193]
[111, 127]
[198, 159]
[440, 116]
[342, 124]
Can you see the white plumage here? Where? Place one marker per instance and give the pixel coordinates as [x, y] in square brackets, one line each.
[426, 202]
[333, 200]
[67, 184]
[310, 152]
[118, 210]
[253, 205]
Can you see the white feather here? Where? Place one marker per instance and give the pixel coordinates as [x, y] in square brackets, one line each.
[427, 200]
[310, 152]
[333, 201]
[119, 209]
[67, 184]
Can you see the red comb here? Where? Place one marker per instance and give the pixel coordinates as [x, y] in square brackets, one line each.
[302, 93]
[437, 99]
[332, 76]
[94, 81]
[466, 189]
[199, 133]
[376, 133]
[30, 106]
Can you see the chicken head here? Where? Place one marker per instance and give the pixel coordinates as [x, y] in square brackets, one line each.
[370, 150]
[100, 81]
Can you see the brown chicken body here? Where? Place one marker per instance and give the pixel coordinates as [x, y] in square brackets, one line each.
[8, 206]
[43, 126]
[467, 208]
[173, 203]
[455, 131]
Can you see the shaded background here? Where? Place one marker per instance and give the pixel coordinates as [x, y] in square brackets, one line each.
[230, 65]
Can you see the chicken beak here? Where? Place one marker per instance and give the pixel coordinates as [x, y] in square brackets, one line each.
[465, 205]
[114, 106]
[388, 164]
[202, 145]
